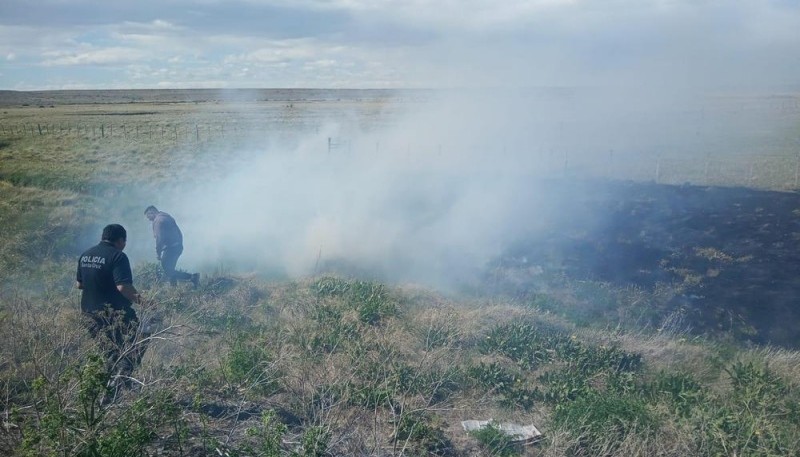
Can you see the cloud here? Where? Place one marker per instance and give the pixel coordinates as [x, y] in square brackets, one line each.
[11, 56]
[418, 43]
[104, 56]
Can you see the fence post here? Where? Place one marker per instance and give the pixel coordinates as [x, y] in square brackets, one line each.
[797, 170]
[102, 131]
[40, 129]
[197, 132]
[658, 169]
[111, 130]
[329, 145]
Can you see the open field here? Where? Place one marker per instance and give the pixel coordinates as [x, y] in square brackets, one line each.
[612, 330]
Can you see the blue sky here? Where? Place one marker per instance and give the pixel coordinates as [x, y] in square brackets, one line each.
[87, 44]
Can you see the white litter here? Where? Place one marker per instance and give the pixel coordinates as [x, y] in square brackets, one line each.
[517, 432]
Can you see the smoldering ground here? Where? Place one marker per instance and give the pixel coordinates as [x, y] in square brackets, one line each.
[436, 196]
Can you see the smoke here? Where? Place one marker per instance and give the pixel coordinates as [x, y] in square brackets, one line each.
[435, 195]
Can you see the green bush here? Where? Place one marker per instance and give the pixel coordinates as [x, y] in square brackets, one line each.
[599, 423]
[680, 390]
[510, 388]
[759, 417]
[77, 416]
[369, 299]
[494, 442]
[249, 362]
[423, 433]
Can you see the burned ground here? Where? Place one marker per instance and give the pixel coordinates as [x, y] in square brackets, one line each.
[731, 254]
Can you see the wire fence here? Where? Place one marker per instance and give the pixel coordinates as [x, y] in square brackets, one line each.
[761, 170]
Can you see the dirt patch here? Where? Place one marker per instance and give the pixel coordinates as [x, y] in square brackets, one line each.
[735, 252]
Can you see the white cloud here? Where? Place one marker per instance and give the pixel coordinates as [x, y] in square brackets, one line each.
[11, 56]
[103, 56]
[375, 43]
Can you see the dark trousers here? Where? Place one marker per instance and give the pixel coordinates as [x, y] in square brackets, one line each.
[169, 259]
[117, 330]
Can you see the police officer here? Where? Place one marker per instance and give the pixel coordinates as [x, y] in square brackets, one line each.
[169, 245]
[106, 281]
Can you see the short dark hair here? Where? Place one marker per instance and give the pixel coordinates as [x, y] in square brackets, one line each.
[114, 232]
[150, 208]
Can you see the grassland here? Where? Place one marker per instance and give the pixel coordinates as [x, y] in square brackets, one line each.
[332, 365]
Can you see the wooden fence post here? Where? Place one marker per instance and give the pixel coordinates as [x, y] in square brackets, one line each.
[797, 170]
[40, 129]
[658, 169]
[102, 131]
[197, 132]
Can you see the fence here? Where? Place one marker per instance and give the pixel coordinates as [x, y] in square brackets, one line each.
[769, 171]
[176, 132]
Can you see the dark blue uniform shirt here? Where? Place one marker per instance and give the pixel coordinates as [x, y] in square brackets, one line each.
[100, 269]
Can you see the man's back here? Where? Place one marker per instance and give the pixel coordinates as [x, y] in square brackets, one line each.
[166, 231]
[100, 269]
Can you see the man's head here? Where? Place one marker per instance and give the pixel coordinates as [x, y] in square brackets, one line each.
[150, 212]
[116, 235]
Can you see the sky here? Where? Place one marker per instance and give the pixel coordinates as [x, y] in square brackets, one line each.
[88, 44]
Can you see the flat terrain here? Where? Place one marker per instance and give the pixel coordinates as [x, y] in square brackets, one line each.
[643, 302]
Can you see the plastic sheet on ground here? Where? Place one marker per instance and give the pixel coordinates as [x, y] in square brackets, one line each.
[517, 432]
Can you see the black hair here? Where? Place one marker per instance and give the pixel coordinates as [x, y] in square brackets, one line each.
[150, 208]
[114, 232]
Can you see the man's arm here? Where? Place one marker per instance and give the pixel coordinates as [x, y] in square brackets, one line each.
[129, 292]
[158, 233]
[79, 277]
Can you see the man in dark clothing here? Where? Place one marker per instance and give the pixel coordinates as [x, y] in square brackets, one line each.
[106, 281]
[169, 245]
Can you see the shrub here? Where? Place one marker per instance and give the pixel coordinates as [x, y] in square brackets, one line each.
[759, 417]
[600, 422]
[494, 442]
[369, 299]
[423, 433]
[681, 390]
[74, 416]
